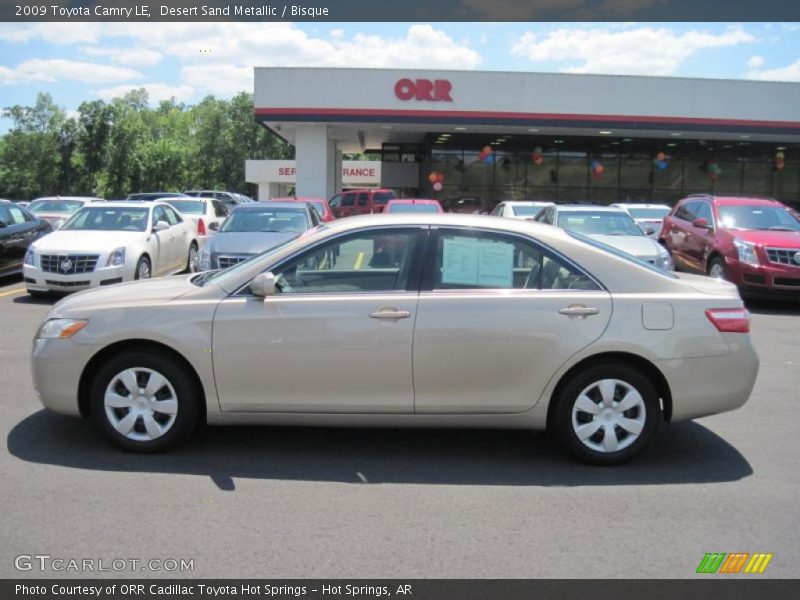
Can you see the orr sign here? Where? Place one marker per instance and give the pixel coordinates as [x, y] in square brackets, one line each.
[425, 90]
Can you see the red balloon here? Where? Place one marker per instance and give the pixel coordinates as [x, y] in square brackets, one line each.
[439, 178]
[487, 150]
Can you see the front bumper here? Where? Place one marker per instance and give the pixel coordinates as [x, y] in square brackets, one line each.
[769, 278]
[56, 367]
[37, 280]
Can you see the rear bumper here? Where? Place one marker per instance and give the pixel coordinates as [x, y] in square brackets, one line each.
[712, 385]
[766, 279]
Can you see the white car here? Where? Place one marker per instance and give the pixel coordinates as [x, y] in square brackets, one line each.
[207, 214]
[649, 217]
[109, 243]
[520, 209]
[612, 226]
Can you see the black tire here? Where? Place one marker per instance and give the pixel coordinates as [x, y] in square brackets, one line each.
[193, 246]
[143, 259]
[569, 395]
[717, 263]
[187, 395]
[39, 295]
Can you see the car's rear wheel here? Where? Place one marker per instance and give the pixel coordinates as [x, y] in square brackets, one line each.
[143, 270]
[193, 260]
[716, 268]
[607, 414]
[144, 401]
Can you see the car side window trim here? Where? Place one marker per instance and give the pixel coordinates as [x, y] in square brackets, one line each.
[431, 248]
[414, 275]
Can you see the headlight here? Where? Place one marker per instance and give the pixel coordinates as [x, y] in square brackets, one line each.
[30, 256]
[205, 259]
[60, 328]
[664, 260]
[747, 252]
[116, 258]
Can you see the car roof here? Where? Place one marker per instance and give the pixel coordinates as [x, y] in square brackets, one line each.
[251, 206]
[527, 202]
[291, 199]
[738, 200]
[87, 198]
[639, 205]
[413, 201]
[588, 207]
[129, 204]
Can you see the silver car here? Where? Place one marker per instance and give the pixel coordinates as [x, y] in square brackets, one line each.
[417, 320]
[650, 217]
[609, 225]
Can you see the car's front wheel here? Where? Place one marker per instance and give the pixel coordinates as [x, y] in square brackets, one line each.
[143, 268]
[607, 414]
[144, 401]
[193, 260]
[716, 268]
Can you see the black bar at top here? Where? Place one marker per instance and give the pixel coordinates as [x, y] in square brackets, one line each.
[401, 10]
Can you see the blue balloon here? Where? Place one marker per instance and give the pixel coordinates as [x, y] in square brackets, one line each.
[662, 164]
[489, 159]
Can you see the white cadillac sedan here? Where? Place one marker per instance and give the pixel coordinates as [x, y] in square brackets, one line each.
[108, 243]
[418, 320]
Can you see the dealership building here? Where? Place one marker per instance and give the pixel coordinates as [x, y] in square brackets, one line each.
[561, 137]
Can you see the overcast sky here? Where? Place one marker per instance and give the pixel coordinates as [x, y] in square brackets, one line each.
[84, 61]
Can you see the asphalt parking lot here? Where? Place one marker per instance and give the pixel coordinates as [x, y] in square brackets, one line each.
[282, 502]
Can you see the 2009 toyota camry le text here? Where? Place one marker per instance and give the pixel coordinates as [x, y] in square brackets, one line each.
[406, 320]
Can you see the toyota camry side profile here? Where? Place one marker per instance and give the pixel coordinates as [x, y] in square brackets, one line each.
[426, 320]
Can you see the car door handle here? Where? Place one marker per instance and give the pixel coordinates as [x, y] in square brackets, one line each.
[390, 313]
[579, 311]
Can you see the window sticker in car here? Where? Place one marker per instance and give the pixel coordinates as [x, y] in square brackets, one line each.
[482, 263]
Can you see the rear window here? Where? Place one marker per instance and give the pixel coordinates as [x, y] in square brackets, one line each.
[413, 208]
[648, 213]
[526, 211]
[189, 207]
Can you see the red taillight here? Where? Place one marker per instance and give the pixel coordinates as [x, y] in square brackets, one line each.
[730, 320]
[201, 227]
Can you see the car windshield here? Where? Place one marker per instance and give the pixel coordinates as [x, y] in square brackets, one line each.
[320, 206]
[219, 275]
[648, 213]
[415, 208]
[526, 211]
[55, 206]
[266, 219]
[113, 218]
[189, 207]
[597, 222]
[382, 197]
[755, 216]
[620, 254]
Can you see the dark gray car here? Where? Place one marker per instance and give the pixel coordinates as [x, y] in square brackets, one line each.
[253, 228]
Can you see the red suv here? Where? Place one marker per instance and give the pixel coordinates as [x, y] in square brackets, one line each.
[360, 202]
[751, 242]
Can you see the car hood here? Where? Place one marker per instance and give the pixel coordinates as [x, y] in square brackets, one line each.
[638, 245]
[777, 239]
[147, 291]
[247, 243]
[85, 241]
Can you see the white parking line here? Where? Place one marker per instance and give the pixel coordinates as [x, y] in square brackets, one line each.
[12, 292]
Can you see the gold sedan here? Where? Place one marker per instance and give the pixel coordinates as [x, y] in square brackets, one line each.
[405, 320]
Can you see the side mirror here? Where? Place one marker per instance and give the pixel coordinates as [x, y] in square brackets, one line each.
[3, 224]
[701, 223]
[649, 230]
[263, 285]
[213, 226]
[160, 226]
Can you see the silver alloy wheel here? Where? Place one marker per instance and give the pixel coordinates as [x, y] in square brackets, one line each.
[608, 416]
[194, 259]
[144, 269]
[716, 271]
[141, 404]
